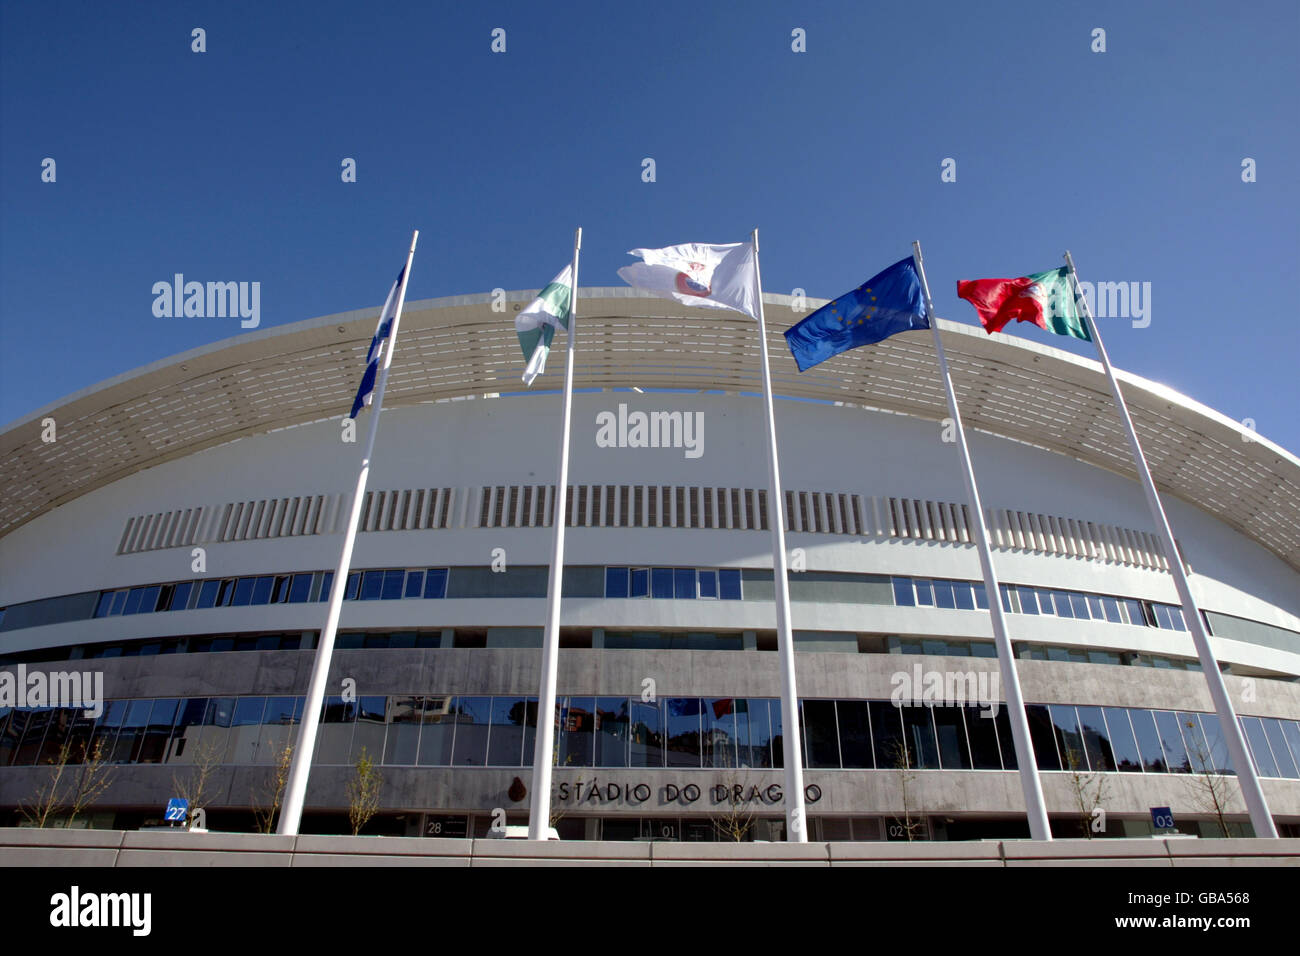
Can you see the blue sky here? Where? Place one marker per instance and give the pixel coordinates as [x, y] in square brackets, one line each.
[225, 165]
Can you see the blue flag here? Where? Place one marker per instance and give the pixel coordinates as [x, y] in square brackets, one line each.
[366, 392]
[887, 303]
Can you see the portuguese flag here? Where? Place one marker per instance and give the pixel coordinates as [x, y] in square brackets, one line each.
[1044, 298]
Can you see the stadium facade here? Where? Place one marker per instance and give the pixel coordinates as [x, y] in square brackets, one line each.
[177, 536]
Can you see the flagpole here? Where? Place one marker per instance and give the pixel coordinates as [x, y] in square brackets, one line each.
[796, 817]
[1030, 783]
[295, 791]
[1260, 817]
[539, 807]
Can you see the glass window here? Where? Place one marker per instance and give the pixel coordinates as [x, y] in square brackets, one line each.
[1079, 606]
[718, 740]
[1006, 742]
[371, 724]
[684, 583]
[616, 582]
[1096, 739]
[922, 749]
[887, 735]
[299, 588]
[1134, 611]
[1042, 735]
[1009, 604]
[1061, 601]
[1199, 759]
[661, 583]
[133, 597]
[208, 593]
[158, 731]
[1290, 731]
[1095, 610]
[1172, 738]
[435, 583]
[820, 733]
[855, 734]
[181, 596]
[278, 722]
[577, 730]
[729, 584]
[640, 586]
[354, 586]
[1148, 740]
[262, 589]
[105, 603]
[57, 735]
[243, 592]
[245, 730]
[904, 594]
[188, 742]
[103, 738]
[35, 722]
[961, 592]
[753, 733]
[708, 584]
[393, 583]
[1111, 608]
[438, 731]
[1176, 619]
[1219, 761]
[414, 584]
[954, 752]
[647, 738]
[683, 727]
[402, 744]
[1028, 600]
[119, 602]
[1259, 747]
[506, 738]
[924, 592]
[943, 596]
[611, 731]
[774, 715]
[372, 585]
[1069, 742]
[982, 731]
[132, 731]
[1123, 745]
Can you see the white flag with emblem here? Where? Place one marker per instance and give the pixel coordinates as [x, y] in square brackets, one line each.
[715, 276]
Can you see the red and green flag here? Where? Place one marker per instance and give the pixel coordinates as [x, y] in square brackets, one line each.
[1044, 298]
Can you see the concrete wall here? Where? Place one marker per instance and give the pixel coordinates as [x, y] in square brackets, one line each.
[116, 848]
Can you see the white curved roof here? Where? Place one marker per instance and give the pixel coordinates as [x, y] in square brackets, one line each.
[458, 346]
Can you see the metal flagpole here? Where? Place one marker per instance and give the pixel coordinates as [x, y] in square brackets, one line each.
[295, 791]
[796, 818]
[1253, 793]
[1030, 784]
[539, 807]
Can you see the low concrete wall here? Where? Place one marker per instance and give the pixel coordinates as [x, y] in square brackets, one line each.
[112, 848]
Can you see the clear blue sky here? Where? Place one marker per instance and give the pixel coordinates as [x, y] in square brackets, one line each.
[226, 165]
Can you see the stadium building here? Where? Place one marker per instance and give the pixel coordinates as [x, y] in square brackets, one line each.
[179, 533]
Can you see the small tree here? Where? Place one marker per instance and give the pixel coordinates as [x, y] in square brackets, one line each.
[90, 781]
[66, 790]
[192, 786]
[363, 791]
[897, 757]
[47, 801]
[734, 817]
[267, 807]
[1090, 790]
[1211, 791]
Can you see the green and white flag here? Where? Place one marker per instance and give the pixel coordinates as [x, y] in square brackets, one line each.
[536, 324]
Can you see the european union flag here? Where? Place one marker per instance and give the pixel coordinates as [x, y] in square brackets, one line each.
[887, 303]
